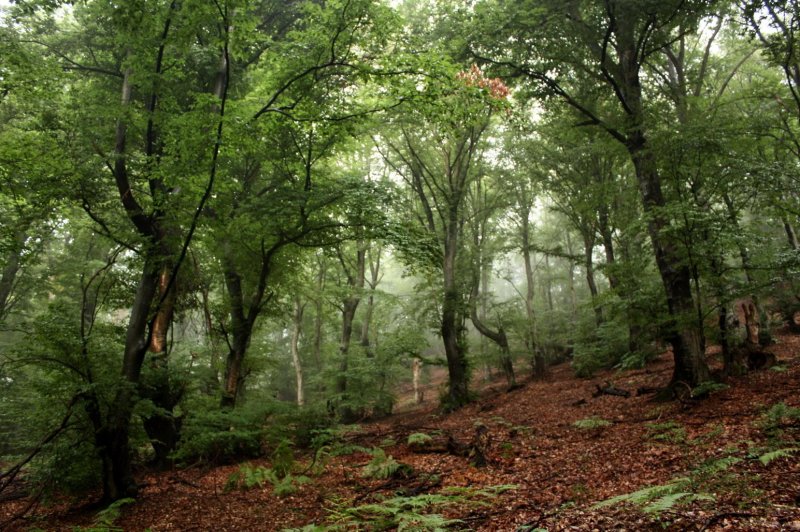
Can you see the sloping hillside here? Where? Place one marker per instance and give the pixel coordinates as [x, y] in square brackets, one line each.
[552, 452]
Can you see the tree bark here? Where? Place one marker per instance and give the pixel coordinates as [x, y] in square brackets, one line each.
[318, 314]
[536, 353]
[588, 250]
[416, 374]
[684, 336]
[10, 271]
[499, 336]
[458, 385]
[355, 280]
[297, 325]
[791, 235]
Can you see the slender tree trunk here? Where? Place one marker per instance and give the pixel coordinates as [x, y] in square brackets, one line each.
[588, 250]
[416, 374]
[536, 353]
[10, 271]
[318, 314]
[240, 334]
[115, 449]
[791, 235]
[297, 325]
[573, 296]
[162, 427]
[614, 281]
[375, 276]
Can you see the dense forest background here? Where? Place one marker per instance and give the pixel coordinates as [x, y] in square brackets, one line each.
[229, 225]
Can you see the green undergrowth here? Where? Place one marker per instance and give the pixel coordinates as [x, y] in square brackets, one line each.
[417, 513]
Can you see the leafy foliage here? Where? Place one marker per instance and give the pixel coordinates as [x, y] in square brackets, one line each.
[383, 466]
[768, 457]
[249, 476]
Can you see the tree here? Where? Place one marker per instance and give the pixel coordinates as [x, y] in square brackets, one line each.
[437, 165]
[610, 42]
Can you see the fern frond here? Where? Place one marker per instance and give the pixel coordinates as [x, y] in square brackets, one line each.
[766, 458]
[668, 501]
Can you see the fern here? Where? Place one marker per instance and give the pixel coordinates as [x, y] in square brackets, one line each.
[780, 453]
[383, 466]
[249, 476]
[646, 495]
[418, 513]
[419, 439]
[104, 519]
[666, 502]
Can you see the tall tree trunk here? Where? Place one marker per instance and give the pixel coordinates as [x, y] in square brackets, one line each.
[690, 365]
[458, 386]
[375, 277]
[241, 332]
[318, 314]
[588, 251]
[536, 352]
[115, 436]
[355, 279]
[162, 427]
[684, 336]
[297, 325]
[10, 271]
[573, 296]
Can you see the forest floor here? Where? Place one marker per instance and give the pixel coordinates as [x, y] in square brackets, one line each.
[704, 455]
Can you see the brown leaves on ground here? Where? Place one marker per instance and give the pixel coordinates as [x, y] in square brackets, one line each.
[530, 440]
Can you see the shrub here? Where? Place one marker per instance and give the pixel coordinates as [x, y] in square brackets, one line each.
[601, 348]
[220, 436]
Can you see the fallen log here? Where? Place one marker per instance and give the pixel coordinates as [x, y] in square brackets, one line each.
[610, 389]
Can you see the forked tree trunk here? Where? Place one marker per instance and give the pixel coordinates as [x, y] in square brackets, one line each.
[498, 337]
[161, 426]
